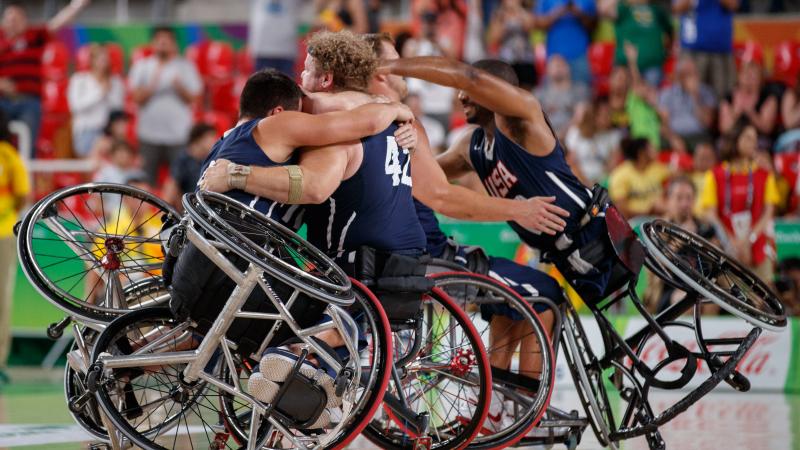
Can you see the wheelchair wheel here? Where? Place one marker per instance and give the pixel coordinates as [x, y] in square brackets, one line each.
[440, 399]
[152, 405]
[91, 249]
[87, 415]
[588, 376]
[516, 405]
[274, 248]
[367, 392]
[713, 274]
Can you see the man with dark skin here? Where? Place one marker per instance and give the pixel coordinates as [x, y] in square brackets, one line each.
[516, 155]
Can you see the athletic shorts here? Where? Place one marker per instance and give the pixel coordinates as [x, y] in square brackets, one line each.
[524, 280]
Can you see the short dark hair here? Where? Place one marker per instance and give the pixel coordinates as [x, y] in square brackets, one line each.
[199, 130]
[265, 90]
[163, 29]
[16, 4]
[681, 179]
[499, 69]
[632, 147]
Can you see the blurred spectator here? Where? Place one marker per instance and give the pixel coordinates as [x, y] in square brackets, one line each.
[373, 15]
[509, 33]
[121, 162]
[186, 170]
[21, 49]
[92, 96]
[704, 159]
[272, 34]
[636, 185]
[437, 101]
[641, 105]
[116, 129]
[559, 96]
[706, 29]
[788, 285]
[474, 49]
[14, 189]
[648, 27]
[568, 24]
[681, 196]
[741, 197]
[336, 15]
[443, 21]
[790, 113]
[687, 106]
[592, 142]
[618, 89]
[752, 100]
[435, 131]
[164, 86]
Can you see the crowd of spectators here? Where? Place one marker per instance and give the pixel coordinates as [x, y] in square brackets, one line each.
[673, 101]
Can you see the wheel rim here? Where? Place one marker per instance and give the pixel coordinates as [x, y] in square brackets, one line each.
[713, 274]
[470, 291]
[86, 247]
[273, 247]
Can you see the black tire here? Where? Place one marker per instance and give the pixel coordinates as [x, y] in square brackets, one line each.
[426, 371]
[154, 404]
[469, 290]
[710, 272]
[117, 235]
[88, 417]
[277, 250]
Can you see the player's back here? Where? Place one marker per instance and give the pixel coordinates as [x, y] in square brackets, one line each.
[239, 146]
[374, 207]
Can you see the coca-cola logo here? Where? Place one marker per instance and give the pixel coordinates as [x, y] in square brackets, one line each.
[755, 361]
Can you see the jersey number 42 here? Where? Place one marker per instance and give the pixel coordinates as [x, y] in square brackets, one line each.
[392, 165]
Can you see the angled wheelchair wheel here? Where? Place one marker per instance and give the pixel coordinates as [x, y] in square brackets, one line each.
[519, 398]
[364, 396]
[82, 405]
[151, 405]
[588, 376]
[274, 248]
[440, 398]
[95, 250]
[714, 275]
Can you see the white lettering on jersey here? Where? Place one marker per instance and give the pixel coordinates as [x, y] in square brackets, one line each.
[392, 164]
[500, 181]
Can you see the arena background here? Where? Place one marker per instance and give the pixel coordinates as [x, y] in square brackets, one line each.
[774, 364]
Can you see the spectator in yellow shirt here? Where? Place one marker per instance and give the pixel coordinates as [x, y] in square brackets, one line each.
[637, 185]
[741, 196]
[14, 188]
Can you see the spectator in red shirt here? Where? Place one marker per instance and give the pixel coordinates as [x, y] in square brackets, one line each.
[21, 48]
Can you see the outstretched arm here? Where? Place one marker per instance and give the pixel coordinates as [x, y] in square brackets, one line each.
[296, 129]
[483, 88]
[430, 186]
[66, 15]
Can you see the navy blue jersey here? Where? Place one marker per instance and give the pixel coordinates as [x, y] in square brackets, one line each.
[508, 170]
[239, 146]
[374, 207]
[436, 239]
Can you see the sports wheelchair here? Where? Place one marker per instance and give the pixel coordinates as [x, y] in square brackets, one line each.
[681, 259]
[160, 382]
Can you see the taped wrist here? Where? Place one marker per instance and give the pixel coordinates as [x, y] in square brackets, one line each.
[237, 176]
[295, 183]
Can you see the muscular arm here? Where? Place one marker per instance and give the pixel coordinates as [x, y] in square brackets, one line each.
[296, 129]
[323, 170]
[66, 15]
[455, 161]
[508, 102]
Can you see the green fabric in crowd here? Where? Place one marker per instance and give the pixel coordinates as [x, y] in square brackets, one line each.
[644, 120]
[645, 26]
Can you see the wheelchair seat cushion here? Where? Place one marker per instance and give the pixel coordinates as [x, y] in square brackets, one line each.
[397, 280]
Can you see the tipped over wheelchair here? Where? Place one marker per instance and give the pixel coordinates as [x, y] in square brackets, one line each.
[684, 261]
